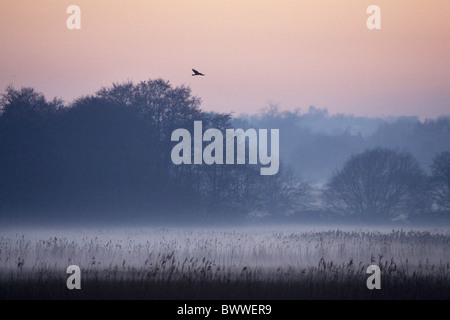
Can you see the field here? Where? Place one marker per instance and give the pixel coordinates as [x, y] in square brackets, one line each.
[242, 263]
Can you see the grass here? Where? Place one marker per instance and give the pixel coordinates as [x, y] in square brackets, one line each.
[224, 264]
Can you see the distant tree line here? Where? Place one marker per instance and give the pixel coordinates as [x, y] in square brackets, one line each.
[381, 184]
[315, 143]
[107, 156]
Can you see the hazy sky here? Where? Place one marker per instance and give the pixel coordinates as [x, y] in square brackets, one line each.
[294, 53]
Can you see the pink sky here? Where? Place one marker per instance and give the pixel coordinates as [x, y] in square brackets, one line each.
[254, 52]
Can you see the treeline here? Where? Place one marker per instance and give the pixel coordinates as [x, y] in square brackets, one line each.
[384, 184]
[107, 157]
[316, 144]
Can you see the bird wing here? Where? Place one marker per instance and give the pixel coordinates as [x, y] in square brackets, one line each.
[195, 71]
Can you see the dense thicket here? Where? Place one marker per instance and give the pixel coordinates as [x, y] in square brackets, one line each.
[108, 155]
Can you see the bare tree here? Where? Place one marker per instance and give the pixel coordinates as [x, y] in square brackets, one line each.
[377, 184]
[440, 181]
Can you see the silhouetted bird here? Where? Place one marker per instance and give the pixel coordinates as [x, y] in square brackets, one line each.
[196, 73]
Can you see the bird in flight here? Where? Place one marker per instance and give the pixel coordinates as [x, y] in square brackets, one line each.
[196, 73]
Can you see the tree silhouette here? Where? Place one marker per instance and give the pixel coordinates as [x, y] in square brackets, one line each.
[440, 180]
[377, 184]
[107, 156]
[26, 104]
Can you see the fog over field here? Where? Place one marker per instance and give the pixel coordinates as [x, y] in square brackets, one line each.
[171, 257]
[263, 248]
